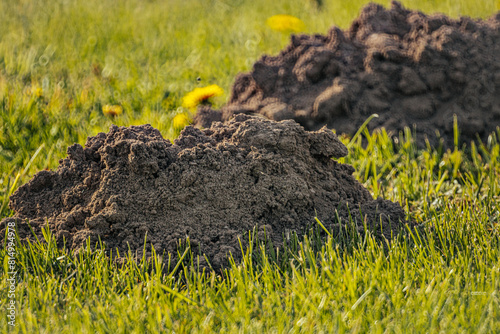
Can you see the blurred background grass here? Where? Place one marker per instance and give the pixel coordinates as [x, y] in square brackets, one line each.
[61, 61]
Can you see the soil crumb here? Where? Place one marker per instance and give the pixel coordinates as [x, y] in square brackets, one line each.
[211, 185]
[410, 68]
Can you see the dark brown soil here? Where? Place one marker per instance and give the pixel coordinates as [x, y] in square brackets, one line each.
[212, 185]
[408, 67]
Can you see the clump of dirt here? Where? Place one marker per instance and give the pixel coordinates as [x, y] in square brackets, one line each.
[408, 67]
[212, 185]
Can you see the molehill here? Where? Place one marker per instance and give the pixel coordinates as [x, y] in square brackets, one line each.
[212, 185]
[408, 67]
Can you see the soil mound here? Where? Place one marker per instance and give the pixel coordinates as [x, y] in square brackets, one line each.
[408, 67]
[212, 185]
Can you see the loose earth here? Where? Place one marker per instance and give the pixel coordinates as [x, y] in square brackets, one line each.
[412, 69]
[212, 185]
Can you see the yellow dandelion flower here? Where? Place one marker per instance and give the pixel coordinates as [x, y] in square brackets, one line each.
[112, 110]
[199, 95]
[285, 23]
[180, 121]
[37, 91]
[84, 95]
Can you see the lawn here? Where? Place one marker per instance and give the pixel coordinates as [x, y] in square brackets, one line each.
[62, 62]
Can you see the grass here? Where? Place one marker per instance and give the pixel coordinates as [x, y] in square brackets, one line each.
[62, 61]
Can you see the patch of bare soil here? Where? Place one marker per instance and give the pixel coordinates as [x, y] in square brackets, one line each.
[408, 67]
[211, 185]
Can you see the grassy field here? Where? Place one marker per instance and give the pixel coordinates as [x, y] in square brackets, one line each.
[62, 61]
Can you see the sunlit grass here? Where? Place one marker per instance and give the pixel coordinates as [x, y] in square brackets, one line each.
[63, 63]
